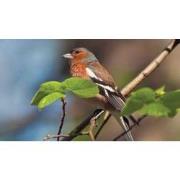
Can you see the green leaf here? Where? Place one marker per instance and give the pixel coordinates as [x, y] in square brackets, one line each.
[37, 97]
[81, 87]
[49, 99]
[172, 112]
[156, 109]
[131, 106]
[171, 99]
[52, 86]
[160, 91]
[137, 100]
[145, 95]
[47, 88]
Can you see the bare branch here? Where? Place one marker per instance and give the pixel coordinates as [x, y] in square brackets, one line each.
[149, 69]
[76, 131]
[91, 128]
[105, 120]
[62, 119]
[53, 137]
[130, 128]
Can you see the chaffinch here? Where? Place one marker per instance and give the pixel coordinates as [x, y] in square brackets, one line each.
[84, 64]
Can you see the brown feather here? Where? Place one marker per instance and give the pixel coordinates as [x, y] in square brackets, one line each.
[102, 73]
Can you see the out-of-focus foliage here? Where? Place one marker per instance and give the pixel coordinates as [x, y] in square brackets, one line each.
[157, 103]
[49, 92]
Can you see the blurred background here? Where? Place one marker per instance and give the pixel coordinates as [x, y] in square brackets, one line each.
[25, 64]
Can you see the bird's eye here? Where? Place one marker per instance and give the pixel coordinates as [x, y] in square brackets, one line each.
[77, 52]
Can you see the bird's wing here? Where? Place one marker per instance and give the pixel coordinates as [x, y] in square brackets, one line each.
[105, 81]
[97, 71]
[98, 74]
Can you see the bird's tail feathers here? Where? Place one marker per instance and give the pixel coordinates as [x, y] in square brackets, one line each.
[125, 124]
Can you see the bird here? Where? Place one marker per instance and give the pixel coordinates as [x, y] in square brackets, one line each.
[84, 64]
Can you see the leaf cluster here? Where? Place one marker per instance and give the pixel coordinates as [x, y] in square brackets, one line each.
[51, 91]
[157, 103]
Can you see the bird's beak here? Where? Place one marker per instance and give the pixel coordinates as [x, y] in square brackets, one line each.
[68, 56]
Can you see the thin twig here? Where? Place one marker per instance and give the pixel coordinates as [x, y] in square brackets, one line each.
[62, 119]
[105, 120]
[76, 131]
[54, 137]
[91, 128]
[149, 69]
[130, 128]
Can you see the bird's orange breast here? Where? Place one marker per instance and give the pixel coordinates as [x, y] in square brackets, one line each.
[79, 70]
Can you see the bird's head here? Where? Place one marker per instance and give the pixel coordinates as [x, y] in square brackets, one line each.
[81, 55]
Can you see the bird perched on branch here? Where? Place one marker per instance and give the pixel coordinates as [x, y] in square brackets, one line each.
[84, 64]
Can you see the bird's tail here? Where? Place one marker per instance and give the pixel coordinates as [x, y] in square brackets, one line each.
[118, 102]
[124, 122]
[125, 126]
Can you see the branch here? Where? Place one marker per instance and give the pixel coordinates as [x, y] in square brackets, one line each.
[130, 128]
[62, 119]
[106, 118]
[90, 132]
[91, 128]
[53, 137]
[76, 131]
[150, 68]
